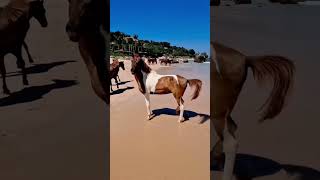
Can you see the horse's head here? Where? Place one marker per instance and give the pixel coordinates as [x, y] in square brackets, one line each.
[38, 11]
[138, 65]
[121, 64]
[80, 14]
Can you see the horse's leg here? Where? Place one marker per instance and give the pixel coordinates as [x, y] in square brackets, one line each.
[147, 99]
[116, 80]
[27, 50]
[111, 85]
[21, 65]
[181, 118]
[3, 74]
[230, 146]
[216, 153]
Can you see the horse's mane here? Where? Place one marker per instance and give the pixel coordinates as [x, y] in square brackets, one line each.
[145, 67]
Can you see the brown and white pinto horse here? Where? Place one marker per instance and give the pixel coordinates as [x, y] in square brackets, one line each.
[89, 26]
[150, 82]
[229, 69]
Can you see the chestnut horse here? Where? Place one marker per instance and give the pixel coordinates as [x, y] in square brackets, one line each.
[152, 61]
[14, 25]
[89, 26]
[229, 70]
[114, 70]
[165, 61]
[150, 82]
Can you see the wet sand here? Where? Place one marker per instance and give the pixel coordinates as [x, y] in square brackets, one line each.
[161, 148]
[52, 130]
[290, 138]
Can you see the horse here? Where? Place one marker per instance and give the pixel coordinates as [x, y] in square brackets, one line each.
[14, 25]
[149, 82]
[89, 26]
[152, 61]
[114, 70]
[229, 69]
[165, 61]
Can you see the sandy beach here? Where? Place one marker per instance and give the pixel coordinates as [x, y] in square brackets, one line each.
[55, 128]
[290, 140]
[162, 148]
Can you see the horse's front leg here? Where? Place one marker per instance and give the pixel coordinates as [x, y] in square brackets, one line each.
[21, 64]
[147, 99]
[111, 86]
[116, 80]
[3, 74]
[27, 50]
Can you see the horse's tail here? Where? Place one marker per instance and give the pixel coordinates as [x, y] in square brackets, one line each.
[281, 70]
[197, 84]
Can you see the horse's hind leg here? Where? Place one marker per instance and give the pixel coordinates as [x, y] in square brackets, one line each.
[147, 99]
[21, 65]
[27, 50]
[3, 74]
[180, 108]
[230, 145]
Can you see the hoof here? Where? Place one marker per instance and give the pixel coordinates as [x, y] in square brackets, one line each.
[181, 120]
[6, 91]
[25, 82]
[150, 116]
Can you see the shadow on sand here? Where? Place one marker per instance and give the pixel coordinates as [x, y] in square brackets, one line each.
[120, 91]
[39, 68]
[33, 93]
[187, 114]
[122, 83]
[248, 167]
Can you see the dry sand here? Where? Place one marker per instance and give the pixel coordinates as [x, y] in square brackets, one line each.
[292, 31]
[162, 148]
[52, 130]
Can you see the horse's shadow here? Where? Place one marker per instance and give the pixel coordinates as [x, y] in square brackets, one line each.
[39, 68]
[34, 93]
[122, 83]
[187, 114]
[120, 91]
[248, 167]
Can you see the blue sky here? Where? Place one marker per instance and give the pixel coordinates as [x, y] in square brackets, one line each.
[180, 22]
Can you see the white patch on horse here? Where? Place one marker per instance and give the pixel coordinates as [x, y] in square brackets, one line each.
[152, 80]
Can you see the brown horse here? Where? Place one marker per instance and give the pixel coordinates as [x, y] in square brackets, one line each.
[150, 82]
[114, 70]
[152, 61]
[14, 25]
[229, 70]
[89, 26]
[165, 61]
